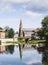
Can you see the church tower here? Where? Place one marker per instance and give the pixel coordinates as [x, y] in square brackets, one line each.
[20, 29]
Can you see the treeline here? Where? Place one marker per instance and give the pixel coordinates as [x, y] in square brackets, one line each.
[9, 32]
[43, 32]
[45, 27]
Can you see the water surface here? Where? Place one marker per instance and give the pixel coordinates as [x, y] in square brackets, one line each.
[16, 55]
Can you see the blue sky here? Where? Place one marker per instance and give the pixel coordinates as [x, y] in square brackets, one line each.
[30, 11]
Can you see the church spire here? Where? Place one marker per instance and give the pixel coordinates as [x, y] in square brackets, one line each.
[21, 23]
[20, 29]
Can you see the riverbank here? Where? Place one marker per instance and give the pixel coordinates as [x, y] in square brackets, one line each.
[36, 41]
[30, 41]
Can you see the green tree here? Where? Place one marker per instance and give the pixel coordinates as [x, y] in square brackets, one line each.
[1, 28]
[10, 33]
[40, 32]
[45, 26]
[6, 31]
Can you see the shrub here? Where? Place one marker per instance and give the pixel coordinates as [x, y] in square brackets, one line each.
[0, 42]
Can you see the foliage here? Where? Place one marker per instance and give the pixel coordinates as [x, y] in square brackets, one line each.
[40, 33]
[36, 41]
[20, 41]
[1, 28]
[0, 42]
[9, 32]
[45, 26]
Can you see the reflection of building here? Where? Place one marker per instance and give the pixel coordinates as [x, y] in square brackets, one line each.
[2, 33]
[2, 49]
[20, 51]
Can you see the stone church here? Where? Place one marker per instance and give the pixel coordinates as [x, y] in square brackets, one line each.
[24, 32]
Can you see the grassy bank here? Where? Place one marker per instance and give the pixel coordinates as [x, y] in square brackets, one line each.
[29, 42]
[16, 42]
[36, 41]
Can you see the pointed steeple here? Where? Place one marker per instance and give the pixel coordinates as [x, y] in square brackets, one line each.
[20, 29]
[21, 23]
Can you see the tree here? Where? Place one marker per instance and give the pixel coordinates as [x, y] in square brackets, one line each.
[6, 28]
[45, 26]
[1, 28]
[10, 33]
[40, 32]
[6, 31]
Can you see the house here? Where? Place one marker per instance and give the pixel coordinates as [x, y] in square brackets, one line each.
[2, 33]
[27, 32]
[16, 35]
[37, 33]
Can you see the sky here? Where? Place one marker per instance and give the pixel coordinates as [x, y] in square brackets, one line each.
[30, 11]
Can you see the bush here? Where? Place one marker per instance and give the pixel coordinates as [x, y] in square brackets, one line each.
[0, 42]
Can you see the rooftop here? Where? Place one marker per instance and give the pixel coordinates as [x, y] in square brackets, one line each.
[28, 29]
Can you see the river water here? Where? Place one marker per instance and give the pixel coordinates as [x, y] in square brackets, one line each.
[17, 55]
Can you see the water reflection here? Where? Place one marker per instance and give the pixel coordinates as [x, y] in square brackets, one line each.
[10, 49]
[20, 51]
[2, 49]
[44, 52]
[45, 56]
[31, 56]
[41, 50]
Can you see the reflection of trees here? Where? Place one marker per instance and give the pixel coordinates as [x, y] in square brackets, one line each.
[44, 52]
[10, 49]
[40, 49]
[45, 57]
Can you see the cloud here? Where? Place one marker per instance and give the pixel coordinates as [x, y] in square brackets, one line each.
[33, 62]
[17, 1]
[30, 13]
[11, 22]
[33, 15]
[6, 7]
[40, 6]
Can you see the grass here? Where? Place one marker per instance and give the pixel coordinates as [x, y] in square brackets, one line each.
[16, 42]
[21, 41]
[36, 41]
[11, 42]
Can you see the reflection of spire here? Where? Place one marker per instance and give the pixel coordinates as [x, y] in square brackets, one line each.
[20, 29]
[20, 50]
